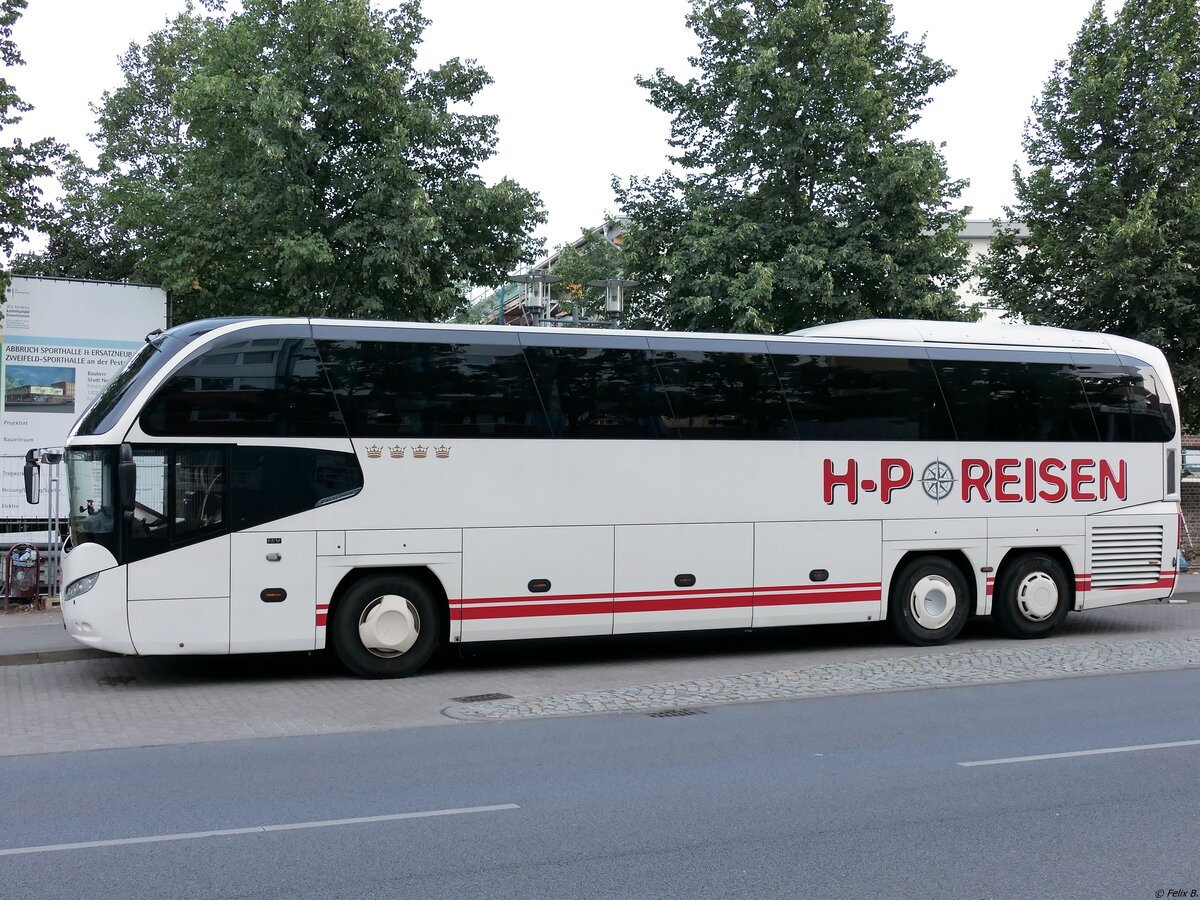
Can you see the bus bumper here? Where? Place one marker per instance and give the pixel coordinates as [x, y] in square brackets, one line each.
[96, 617]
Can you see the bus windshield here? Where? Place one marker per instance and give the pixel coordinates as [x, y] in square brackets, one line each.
[90, 488]
[96, 418]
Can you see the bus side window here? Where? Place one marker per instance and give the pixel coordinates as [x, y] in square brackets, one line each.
[608, 392]
[1127, 403]
[1002, 400]
[149, 526]
[414, 388]
[199, 491]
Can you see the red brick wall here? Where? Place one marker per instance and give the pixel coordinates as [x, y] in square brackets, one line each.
[1191, 510]
[1191, 518]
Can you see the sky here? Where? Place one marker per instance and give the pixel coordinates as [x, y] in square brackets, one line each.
[571, 114]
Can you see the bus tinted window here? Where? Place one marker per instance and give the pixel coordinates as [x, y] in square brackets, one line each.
[1127, 403]
[235, 391]
[863, 398]
[417, 389]
[269, 483]
[601, 392]
[104, 411]
[717, 395]
[993, 400]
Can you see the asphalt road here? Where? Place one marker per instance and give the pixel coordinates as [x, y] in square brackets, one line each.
[839, 796]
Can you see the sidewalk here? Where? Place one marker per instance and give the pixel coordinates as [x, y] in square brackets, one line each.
[38, 636]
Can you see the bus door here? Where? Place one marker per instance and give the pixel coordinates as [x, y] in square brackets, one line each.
[179, 552]
[272, 605]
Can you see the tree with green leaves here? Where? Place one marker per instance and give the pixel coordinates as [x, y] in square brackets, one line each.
[1111, 194]
[288, 158]
[798, 197]
[21, 165]
[83, 240]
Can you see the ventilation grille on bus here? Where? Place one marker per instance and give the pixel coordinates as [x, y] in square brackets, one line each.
[1126, 554]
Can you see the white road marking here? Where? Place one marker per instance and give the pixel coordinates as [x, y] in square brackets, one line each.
[256, 829]
[1021, 759]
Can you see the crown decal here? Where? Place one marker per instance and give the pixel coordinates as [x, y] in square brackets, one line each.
[396, 452]
[420, 452]
[441, 452]
[374, 452]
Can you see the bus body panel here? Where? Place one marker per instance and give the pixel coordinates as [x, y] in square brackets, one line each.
[403, 541]
[683, 577]
[537, 582]
[169, 614]
[98, 618]
[190, 625]
[1131, 556]
[809, 573]
[272, 602]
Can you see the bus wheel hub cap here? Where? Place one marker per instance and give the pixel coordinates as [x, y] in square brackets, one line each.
[932, 602]
[1038, 597]
[389, 626]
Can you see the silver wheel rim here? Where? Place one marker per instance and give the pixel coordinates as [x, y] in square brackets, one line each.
[932, 602]
[1037, 596]
[389, 626]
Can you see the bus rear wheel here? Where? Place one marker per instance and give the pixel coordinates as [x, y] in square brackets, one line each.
[386, 626]
[1032, 597]
[929, 602]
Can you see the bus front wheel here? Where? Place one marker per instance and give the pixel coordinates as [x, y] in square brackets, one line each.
[929, 602]
[1032, 597]
[386, 626]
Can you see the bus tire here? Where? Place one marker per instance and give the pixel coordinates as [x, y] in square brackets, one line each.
[1032, 598]
[929, 602]
[386, 626]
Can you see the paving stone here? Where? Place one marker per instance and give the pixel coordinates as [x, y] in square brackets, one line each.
[122, 702]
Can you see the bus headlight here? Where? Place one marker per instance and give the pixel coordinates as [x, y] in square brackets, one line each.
[80, 586]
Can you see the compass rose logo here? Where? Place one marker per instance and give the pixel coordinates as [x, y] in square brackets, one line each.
[937, 480]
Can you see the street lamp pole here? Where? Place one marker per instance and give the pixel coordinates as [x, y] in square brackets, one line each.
[537, 300]
[614, 298]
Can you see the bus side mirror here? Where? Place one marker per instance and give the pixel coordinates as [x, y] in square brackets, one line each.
[33, 478]
[127, 478]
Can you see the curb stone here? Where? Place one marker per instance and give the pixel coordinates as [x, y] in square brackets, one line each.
[32, 657]
[964, 667]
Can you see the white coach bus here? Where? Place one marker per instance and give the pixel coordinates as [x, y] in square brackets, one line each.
[287, 484]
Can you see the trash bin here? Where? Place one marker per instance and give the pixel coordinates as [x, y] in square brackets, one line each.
[21, 573]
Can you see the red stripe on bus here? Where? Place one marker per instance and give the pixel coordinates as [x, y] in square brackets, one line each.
[543, 598]
[678, 604]
[320, 619]
[660, 604]
[516, 612]
[826, 597]
[691, 592]
[818, 587]
[1147, 586]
